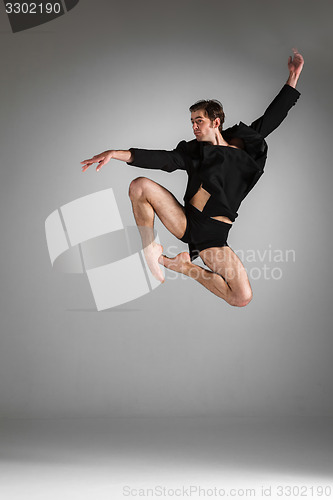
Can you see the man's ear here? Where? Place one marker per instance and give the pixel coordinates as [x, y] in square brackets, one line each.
[217, 122]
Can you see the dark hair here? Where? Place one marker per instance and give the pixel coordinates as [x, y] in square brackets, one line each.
[213, 109]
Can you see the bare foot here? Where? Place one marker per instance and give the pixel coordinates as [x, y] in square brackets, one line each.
[152, 253]
[177, 263]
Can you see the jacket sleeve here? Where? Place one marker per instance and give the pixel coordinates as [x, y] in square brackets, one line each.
[159, 159]
[276, 111]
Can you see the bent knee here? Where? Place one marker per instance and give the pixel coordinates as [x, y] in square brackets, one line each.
[242, 300]
[138, 186]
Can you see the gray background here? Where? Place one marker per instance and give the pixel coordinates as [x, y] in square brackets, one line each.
[116, 75]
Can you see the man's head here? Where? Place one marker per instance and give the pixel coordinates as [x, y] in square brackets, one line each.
[207, 116]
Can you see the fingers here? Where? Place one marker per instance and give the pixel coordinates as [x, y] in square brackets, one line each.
[296, 62]
[99, 166]
[97, 158]
[94, 159]
[101, 159]
[297, 55]
[85, 167]
[101, 163]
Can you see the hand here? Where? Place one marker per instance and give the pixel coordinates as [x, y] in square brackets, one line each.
[295, 65]
[101, 159]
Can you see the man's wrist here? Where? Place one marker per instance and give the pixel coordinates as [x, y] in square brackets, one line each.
[292, 80]
[121, 154]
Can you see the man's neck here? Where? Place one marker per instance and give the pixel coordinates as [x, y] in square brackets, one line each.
[218, 140]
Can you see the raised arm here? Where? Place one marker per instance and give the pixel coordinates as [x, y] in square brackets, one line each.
[284, 101]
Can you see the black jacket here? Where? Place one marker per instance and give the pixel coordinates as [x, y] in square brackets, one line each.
[227, 173]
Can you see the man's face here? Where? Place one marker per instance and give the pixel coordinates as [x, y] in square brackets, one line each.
[203, 127]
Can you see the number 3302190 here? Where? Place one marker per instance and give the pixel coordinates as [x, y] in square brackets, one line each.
[33, 8]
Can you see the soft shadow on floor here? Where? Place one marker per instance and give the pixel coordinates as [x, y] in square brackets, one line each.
[293, 445]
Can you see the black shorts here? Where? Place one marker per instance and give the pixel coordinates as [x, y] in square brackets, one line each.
[203, 232]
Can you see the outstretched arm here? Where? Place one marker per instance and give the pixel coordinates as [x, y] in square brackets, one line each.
[283, 102]
[169, 161]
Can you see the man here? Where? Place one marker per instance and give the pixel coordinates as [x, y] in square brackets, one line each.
[223, 166]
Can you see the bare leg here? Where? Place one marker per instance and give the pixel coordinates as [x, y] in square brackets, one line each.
[144, 216]
[148, 198]
[228, 278]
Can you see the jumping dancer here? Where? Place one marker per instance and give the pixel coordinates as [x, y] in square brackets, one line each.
[222, 167]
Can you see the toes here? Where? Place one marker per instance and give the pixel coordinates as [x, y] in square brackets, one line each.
[161, 259]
